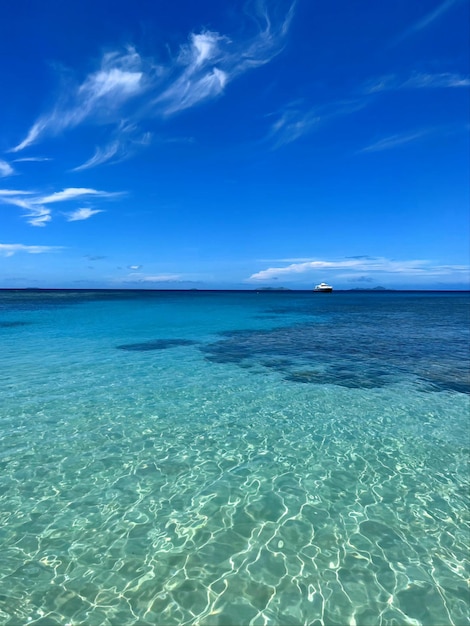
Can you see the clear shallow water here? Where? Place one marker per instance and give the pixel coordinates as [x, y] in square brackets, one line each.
[234, 458]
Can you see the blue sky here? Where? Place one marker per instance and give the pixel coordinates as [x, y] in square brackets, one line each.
[236, 144]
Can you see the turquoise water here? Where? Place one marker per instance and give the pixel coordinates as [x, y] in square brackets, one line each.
[234, 458]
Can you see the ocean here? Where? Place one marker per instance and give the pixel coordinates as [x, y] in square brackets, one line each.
[234, 458]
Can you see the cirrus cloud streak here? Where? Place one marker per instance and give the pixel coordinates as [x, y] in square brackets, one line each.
[5, 169]
[82, 214]
[9, 249]
[418, 80]
[129, 89]
[35, 205]
[344, 268]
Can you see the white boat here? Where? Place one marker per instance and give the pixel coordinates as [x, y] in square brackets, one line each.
[324, 288]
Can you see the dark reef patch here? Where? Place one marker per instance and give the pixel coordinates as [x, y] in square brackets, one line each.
[13, 323]
[353, 351]
[156, 344]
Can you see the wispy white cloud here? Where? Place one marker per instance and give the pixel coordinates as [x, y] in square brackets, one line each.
[6, 193]
[429, 18]
[209, 61]
[36, 213]
[102, 155]
[197, 75]
[200, 71]
[287, 260]
[31, 159]
[75, 192]
[295, 269]
[157, 278]
[35, 204]
[292, 124]
[120, 149]
[39, 216]
[394, 141]
[9, 249]
[5, 169]
[417, 80]
[297, 119]
[443, 80]
[100, 95]
[347, 267]
[82, 214]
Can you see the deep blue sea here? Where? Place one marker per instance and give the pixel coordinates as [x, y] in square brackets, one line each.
[234, 458]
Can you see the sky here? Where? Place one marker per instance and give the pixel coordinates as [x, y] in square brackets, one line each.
[172, 144]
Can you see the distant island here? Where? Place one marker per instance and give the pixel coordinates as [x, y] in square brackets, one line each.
[371, 289]
[273, 289]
